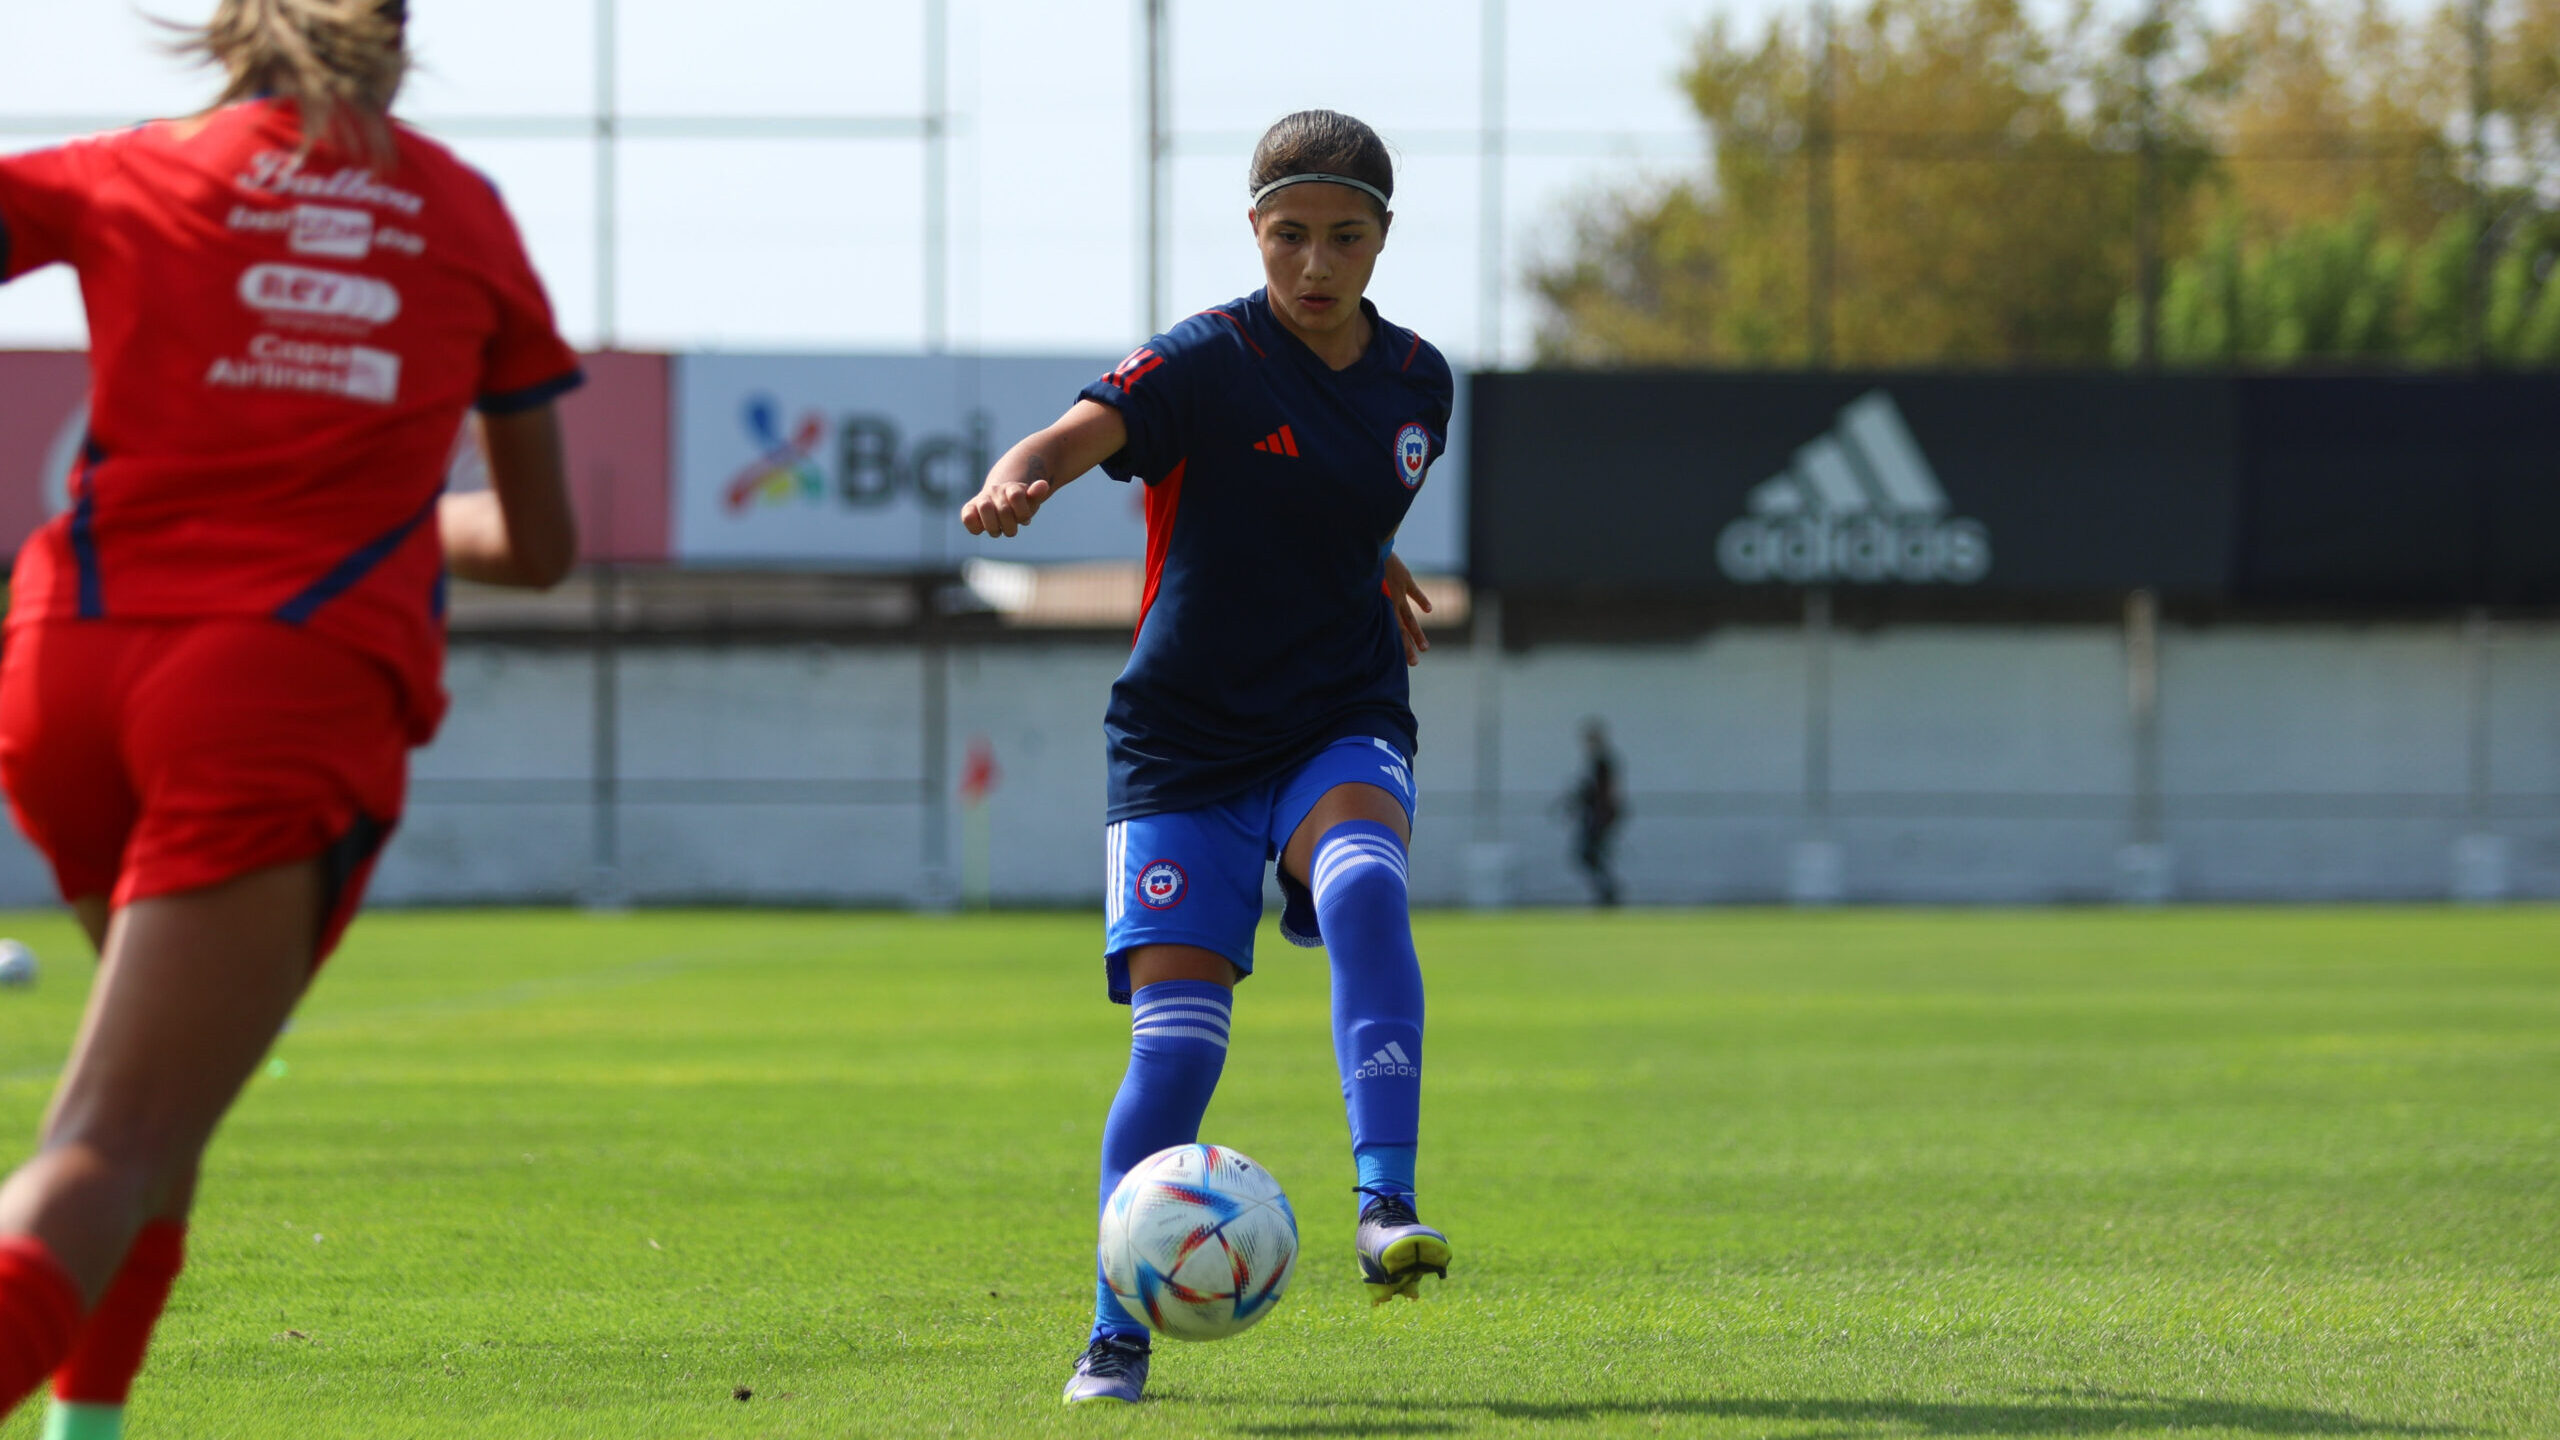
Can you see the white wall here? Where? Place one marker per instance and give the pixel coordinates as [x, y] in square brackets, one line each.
[1975, 764]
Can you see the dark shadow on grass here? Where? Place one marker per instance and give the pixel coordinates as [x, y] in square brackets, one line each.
[2067, 1412]
[1358, 1428]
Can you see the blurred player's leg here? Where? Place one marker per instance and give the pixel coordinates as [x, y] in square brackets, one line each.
[90, 1389]
[190, 994]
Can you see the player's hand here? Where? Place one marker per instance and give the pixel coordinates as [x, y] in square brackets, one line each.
[1402, 590]
[1004, 506]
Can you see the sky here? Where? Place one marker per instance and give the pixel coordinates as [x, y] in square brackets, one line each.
[817, 242]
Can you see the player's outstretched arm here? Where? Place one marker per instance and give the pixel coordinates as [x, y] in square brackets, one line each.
[520, 531]
[1031, 472]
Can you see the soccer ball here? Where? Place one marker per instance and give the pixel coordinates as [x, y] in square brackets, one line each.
[1199, 1242]
[17, 964]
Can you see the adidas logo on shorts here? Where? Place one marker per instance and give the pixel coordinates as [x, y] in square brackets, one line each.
[1390, 1061]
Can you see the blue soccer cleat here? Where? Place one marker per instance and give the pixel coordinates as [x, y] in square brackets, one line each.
[1397, 1250]
[1112, 1369]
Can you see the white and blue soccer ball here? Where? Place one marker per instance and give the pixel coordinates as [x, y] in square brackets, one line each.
[1199, 1242]
[17, 964]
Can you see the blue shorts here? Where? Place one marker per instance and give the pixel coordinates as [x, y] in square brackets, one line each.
[1194, 877]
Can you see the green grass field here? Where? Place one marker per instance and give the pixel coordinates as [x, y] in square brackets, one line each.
[1737, 1174]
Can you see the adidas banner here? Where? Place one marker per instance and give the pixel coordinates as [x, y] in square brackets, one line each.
[2209, 486]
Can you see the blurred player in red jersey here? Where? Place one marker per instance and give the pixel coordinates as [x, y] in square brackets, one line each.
[218, 659]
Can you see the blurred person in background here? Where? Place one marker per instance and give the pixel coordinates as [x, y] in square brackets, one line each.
[1595, 807]
[1263, 713]
[219, 657]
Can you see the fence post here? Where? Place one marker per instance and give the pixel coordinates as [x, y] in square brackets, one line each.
[2480, 855]
[1819, 258]
[1492, 27]
[605, 889]
[937, 172]
[1816, 873]
[2476, 311]
[2143, 872]
[1488, 875]
[1153, 156]
[608, 137]
[2147, 198]
[936, 890]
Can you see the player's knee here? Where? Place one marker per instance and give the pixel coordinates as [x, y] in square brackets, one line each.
[1181, 1023]
[112, 1154]
[89, 1179]
[1359, 862]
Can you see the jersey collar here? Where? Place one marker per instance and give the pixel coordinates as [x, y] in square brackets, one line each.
[1268, 322]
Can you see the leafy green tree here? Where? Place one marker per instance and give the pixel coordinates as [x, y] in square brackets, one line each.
[1982, 204]
[2332, 291]
[2310, 194]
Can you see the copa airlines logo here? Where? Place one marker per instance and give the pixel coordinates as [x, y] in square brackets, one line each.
[1860, 504]
[1389, 1061]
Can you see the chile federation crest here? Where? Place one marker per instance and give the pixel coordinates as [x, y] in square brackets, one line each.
[1413, 454]
[1160, 885]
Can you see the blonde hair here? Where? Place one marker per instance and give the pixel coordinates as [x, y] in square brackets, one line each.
[341, 61]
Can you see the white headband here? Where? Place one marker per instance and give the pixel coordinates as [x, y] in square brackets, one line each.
[1285, 181]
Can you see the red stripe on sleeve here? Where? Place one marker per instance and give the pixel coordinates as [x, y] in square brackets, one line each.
[1164, 498]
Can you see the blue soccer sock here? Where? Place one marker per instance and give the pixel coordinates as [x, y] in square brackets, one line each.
[1177, 1047]
[1359, 883]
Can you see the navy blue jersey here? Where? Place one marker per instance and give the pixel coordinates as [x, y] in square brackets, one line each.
[1274, 483]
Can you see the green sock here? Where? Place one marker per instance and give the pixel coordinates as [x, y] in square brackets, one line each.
[71, 1420]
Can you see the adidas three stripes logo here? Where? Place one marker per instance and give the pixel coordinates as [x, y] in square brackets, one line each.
[1859, 503]
[1389, 1061]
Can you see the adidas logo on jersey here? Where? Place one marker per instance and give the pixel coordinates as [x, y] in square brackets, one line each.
[1390, 1061]
[1859, 504]
[1278, 442]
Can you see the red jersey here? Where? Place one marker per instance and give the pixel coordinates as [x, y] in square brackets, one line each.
[284, 346]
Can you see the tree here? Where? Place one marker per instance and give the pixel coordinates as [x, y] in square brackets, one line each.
[2342, 290]
[1979, 213]
[2303, 173]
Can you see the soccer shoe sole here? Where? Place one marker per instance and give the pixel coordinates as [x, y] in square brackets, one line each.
[1406, 1262]
[1100, 1400]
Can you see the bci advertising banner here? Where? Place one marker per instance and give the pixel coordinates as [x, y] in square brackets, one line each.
[863, 462]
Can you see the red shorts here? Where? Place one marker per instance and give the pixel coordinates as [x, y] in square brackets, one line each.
[150, 757]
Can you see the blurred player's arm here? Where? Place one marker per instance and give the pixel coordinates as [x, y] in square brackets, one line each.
[1402, 589]
[1407, 594]
[520, 530]
[1031, 472]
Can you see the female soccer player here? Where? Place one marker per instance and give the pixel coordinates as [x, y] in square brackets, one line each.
[219, 657]
[1263, 711]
